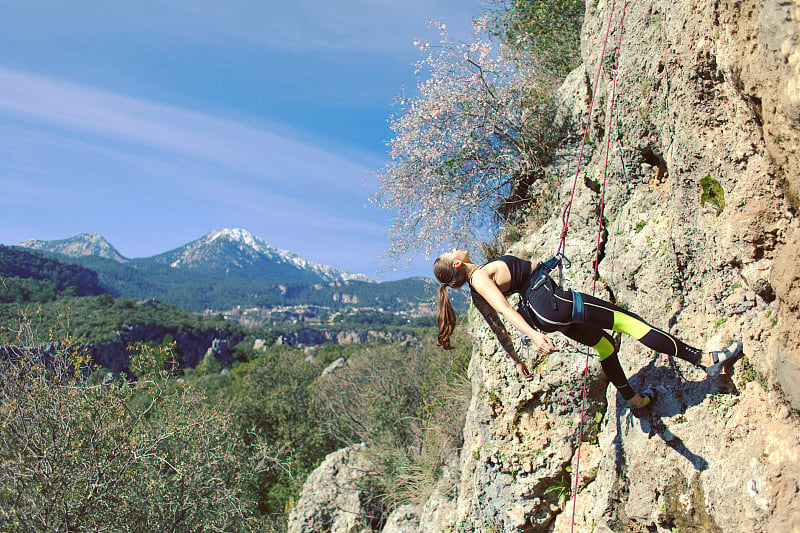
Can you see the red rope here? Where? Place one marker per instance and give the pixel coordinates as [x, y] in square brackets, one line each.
[568, 208]
[565, 219]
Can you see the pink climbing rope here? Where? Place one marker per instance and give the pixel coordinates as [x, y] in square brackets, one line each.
[565, 219]
[568, 207]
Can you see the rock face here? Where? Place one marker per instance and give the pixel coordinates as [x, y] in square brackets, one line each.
[701, 238]
[192, 347]
[334, 496]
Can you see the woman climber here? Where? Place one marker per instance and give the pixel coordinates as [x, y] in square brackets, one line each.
[545, 307]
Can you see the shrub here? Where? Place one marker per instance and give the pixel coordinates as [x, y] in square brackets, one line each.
[408, 404]
[144, 456]
[712, 193]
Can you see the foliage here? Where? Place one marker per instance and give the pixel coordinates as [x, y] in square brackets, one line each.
[101, 318]
[467, 148]
[30, 277]
[713, 193]
[561, 488]
[542, 31]
[273, 403]
[507, 235]
[408, 404]
[146, 456]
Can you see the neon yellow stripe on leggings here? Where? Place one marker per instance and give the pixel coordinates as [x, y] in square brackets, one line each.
[629, 325]
[604, 348]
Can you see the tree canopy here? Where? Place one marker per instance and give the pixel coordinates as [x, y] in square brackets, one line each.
[471, 142]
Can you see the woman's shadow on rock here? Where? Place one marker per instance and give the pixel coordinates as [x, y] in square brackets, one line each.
[676, 392]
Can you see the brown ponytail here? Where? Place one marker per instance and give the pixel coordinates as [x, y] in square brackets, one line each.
[447, 275]
[446, 318]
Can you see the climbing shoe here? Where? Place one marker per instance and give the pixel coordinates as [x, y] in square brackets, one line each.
[648, 399]
[726, 356]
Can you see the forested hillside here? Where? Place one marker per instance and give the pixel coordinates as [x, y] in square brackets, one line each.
[202, 289]
[31, 277]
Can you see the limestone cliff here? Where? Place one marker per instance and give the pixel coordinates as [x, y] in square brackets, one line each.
[701, 237]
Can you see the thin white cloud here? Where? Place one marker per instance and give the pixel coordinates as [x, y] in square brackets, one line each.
[54, 103]
[376, 26]
[89, 156]
[371, 26]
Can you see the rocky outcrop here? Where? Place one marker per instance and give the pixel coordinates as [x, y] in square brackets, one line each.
[318, 336]
[190, 346]
[700, 237]
[114, 354]
[220, 351]
[336, 496]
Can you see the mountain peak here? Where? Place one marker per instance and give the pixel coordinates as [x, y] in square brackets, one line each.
[237, 248]
[85, 244]
[234, 251]
[237, 235]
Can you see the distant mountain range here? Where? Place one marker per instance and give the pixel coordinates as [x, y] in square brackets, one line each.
[220, 250]
[232, 268]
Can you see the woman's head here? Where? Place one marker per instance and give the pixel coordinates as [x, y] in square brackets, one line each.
[449, 268]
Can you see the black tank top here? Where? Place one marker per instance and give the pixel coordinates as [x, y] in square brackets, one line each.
[520, 270]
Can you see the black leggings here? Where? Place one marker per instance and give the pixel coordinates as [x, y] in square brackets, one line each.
[550, 309]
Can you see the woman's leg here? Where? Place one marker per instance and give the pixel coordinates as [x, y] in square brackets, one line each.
[606, 315]
[552, 310]
[603, 344]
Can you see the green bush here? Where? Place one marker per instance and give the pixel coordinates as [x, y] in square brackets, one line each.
[713, 193]
[272, 403]
[408, 404]
[146, 456]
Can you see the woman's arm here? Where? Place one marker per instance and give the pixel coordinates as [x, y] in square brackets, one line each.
[486, 287]
[490, 315]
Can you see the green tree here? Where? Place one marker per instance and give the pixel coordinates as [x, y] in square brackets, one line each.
[546, 32]
[273, 404]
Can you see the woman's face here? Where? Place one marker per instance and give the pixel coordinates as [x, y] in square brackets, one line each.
[457, 255]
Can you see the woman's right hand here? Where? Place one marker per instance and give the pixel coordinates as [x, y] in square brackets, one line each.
[544, 344]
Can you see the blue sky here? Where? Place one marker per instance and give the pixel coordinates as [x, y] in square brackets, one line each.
[154, 122]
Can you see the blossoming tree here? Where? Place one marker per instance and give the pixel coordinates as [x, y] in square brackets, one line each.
[468, 146]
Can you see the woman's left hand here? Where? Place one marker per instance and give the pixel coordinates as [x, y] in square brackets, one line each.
[523, 370]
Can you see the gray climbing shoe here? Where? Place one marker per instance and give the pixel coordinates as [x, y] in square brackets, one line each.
[648, 395]
[726, 356]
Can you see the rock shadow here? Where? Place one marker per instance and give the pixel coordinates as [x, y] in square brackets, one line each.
[676, 393]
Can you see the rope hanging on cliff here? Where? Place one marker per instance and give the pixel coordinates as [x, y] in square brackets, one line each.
[568, 208]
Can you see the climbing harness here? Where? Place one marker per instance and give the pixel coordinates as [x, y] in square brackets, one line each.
[541, 275]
